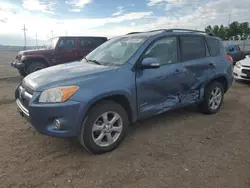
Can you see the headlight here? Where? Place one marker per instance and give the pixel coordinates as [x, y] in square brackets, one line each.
[23, 58]
[238, 65]
[58, 94]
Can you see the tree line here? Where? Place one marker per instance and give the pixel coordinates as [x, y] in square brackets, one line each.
[234, 31]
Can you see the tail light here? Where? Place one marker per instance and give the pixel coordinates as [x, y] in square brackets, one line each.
[229, 58]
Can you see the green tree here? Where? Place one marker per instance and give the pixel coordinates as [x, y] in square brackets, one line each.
[235, 29]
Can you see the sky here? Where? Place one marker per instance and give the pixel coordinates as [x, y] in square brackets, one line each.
[47, 18]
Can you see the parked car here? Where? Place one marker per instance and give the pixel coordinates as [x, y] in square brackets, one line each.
[128, 78]
[60, 50]
[236, 53]
[242, 69]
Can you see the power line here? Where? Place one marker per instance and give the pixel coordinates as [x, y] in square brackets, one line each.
[24, 33]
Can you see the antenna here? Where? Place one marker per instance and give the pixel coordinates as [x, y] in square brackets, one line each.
[24, 33]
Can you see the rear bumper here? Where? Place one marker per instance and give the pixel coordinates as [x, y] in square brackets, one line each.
[17, 64]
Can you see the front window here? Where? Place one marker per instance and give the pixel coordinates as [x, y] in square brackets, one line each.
[52, 43]
[117, 51]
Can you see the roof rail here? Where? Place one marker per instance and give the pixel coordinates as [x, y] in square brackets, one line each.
[133, 33]
[146, 31]
[190, 31]
[176, 30]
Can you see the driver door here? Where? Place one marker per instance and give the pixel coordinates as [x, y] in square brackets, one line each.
[158, 89]
[66, 51]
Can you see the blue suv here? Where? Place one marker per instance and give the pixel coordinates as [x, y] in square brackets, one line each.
[128, 78]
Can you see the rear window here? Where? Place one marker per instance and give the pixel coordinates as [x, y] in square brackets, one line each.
[213, 46]
[91, 42]
[192, 47]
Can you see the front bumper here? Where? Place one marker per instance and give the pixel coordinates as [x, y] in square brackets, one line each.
[241, 73]
[42, 116]
[17, 64]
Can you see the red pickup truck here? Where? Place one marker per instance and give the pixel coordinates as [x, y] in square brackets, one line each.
[60, 50]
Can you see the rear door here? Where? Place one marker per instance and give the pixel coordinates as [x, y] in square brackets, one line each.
[66, 50]
[198, 67]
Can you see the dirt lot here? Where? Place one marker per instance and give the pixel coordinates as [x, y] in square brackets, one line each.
[179, 149]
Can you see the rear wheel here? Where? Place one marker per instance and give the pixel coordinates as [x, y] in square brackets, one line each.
[213, 98]
[35, 66]
[104, 127]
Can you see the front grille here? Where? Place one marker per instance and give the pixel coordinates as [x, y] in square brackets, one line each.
[246, 71]
[24, 95]
[24, 102]
[245, 66]
[245, 77]
[27, 88]
[18, 57]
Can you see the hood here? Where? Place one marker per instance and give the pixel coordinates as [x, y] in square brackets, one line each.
[65, 74]
[33, 52]
[245, 62]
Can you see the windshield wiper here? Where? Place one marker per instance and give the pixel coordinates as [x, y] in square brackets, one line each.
[94, 61]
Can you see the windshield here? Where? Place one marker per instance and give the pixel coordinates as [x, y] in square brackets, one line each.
[52, 43]
[117, 51]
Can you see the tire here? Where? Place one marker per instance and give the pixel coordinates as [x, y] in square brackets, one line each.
[35, 66]
[22, 72]
[87, 136]
[206, 105]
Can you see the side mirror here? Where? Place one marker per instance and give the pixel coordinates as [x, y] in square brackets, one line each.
[150, 63]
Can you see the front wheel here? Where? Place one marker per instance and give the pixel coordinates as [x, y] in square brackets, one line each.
[213, 98]
[35, 66]
[22, 72]
[104, 127]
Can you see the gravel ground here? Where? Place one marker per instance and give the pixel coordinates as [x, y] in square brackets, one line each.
[183, 148]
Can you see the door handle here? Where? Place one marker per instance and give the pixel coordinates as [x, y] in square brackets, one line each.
[212, 65]
[178, 71]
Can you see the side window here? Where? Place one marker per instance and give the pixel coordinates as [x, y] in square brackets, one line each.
[192, 47]
[67, 43]
[85, 43]
[165, 49]
[213, 46]
[96, 42]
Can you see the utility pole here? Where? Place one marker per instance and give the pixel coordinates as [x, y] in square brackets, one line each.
[36, 42]
[52, 35]
[229, 19]
[24, 33]
[66, 33]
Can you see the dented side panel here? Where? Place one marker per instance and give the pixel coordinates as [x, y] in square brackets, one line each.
[197, 72]
[158, 90]
[171, 86]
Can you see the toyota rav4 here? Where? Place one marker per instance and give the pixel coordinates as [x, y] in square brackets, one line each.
[126, 79]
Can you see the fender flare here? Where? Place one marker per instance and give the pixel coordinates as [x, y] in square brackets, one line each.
[203, 86]
[28, 58]
[88, 105]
